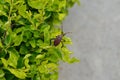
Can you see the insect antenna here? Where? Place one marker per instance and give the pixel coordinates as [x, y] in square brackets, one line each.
[66, 33]
[62, 29]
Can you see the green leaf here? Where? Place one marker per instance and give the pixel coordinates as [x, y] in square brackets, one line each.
[52, 66]
[53, 58]
[70, 3]
[61, 16]
[22, 10]
[26, 61]
[54, 76]
[13, 57]
[33, 43]
[43, 69]
[37, 77]
[36, 34]
[27, 55]
[66, 51]
[56, 5]
[44, 27]
[7, 40]
[54, 55]
[67, 40]
[44, 62]
[19, 30]
[58, 52]
[67, 57]
[9, 1]
[23, 49]
[73, 60]
[39, 42]
[2, 12]
[33, 70]
[47, 15]
[55, 52]
[40, 56]
[46, 37]
[18, 73]
[18, 39]
[7, 26]
[4, 61]
[1, 45]
[1, 73]
[38, 50]
[27, 34]
[37, 4]
[20, 63]
[3, 78]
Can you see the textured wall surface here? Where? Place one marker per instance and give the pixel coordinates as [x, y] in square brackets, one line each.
[95, 27]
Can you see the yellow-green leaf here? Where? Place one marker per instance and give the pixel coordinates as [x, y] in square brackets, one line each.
[13, 57]
[18, 73]
[4, 61]
[1, 73]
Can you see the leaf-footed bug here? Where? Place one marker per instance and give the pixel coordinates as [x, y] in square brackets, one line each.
[58, 38]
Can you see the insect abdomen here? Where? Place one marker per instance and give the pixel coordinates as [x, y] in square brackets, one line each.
[57, 40]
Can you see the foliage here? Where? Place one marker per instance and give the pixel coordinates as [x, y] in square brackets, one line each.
[26, 29]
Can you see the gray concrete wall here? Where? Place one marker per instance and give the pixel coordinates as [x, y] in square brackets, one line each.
[95, 27]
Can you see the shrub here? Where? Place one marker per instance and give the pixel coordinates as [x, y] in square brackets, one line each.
[27, 27]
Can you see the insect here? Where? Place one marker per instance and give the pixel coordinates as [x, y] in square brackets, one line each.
[58, 38]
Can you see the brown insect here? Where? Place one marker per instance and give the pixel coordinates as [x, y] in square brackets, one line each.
[58, 38]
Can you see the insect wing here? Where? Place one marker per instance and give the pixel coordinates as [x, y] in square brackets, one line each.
[57, 40]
